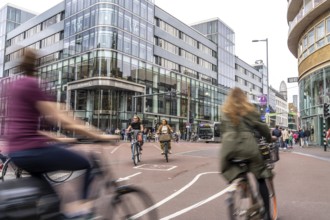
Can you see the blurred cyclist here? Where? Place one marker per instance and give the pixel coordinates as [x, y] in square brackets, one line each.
[238, 141]
[29, 148]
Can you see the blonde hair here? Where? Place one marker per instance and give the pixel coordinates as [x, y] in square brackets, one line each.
[237, 105]
[28, 63]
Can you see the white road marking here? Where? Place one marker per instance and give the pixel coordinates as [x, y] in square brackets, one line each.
[114, 150]
[173, 195]
[156, 167]
[316, 157]
[229, 188]
[128, 177]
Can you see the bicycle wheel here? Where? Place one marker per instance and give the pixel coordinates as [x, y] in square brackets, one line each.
[272, 200]
[243, 204]
[10, 171]
[131, 203]
[58, 176]
[134, 156]
[138, 153]
[166, 150]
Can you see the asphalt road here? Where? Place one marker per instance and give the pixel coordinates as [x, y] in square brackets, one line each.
[189, 186]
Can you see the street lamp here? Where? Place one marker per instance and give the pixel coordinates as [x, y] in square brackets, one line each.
[266, 40]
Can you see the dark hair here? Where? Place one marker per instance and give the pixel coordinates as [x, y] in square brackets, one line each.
[28, 63]
[165, 121]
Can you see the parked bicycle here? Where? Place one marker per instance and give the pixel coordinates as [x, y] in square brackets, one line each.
[135, 147]
[244, 200]
[109, 200]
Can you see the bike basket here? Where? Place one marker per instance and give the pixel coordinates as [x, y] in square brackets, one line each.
[274, 154]
[164, 137]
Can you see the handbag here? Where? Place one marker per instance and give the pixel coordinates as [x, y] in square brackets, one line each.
[164, 137]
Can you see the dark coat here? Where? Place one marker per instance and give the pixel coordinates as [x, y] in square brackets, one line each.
[239, 142]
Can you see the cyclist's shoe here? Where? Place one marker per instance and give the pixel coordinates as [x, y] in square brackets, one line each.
[169, 151]
[162, 153]
[141, 148]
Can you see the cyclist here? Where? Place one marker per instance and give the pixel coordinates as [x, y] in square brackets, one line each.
[29, 148]
[137, 125]
[164, 128]
[238, 141]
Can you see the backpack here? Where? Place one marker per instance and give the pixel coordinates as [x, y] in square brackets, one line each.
[277, 133]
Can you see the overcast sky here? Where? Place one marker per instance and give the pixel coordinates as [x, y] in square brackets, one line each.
[249, 19]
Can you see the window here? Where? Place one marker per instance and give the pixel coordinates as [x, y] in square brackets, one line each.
[320, 32]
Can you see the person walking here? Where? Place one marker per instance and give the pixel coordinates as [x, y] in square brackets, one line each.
[239, 118]
[307, 136]
[301, 138]
[285, 139]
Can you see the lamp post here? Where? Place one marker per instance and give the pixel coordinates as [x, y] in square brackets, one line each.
[266, 40]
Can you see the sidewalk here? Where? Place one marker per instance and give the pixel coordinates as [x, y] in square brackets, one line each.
[313, 150]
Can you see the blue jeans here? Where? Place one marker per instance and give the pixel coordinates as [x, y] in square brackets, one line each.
[38, 161]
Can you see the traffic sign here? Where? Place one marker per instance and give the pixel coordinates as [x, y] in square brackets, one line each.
[292, 79]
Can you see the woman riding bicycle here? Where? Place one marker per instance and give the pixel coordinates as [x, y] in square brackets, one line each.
[164, 128]
[137, 126]
[28, 147]
[238, 141]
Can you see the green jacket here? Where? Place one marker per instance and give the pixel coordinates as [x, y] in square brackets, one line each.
[239, 142]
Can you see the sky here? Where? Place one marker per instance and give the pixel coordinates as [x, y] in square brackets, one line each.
[249, 19]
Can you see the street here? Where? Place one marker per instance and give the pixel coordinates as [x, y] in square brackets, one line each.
[189, 186]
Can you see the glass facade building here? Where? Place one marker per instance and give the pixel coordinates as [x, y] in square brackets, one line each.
[309, 42]
[108, 60]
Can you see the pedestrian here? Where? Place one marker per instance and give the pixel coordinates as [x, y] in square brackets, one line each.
[156, 137]
[307, 135]
[285, 138]
[179, 135]
[327, 137]
[290, 139]
[278, 134]
[301, 138]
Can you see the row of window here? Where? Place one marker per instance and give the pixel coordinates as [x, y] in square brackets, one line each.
[48, 41]
[315, 38]
[185, 54]
[141, 8]
[247, 73]
[111, 38]
[187, 39]
[182, 69]
[110, 15]
[36, 29]
[250, 85]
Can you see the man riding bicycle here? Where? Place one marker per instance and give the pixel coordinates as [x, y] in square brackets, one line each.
[137, 126]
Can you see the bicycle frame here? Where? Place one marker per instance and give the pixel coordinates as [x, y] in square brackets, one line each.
[135, 147]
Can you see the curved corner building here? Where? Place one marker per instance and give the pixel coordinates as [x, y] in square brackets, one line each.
[309, 42]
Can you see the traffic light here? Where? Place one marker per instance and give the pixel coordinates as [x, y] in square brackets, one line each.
[326, 112]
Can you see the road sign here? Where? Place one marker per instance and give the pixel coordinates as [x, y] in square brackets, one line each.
[292, 79]
[263, 100]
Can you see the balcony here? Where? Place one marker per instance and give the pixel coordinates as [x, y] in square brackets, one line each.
[304, 17]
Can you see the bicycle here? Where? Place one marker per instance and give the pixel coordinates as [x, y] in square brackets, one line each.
[109, 200]
[135, 147]
[11, 171]
[244, 201]
[166, 150]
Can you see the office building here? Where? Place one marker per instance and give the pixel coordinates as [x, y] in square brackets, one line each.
[309, 42]
[110, 60]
